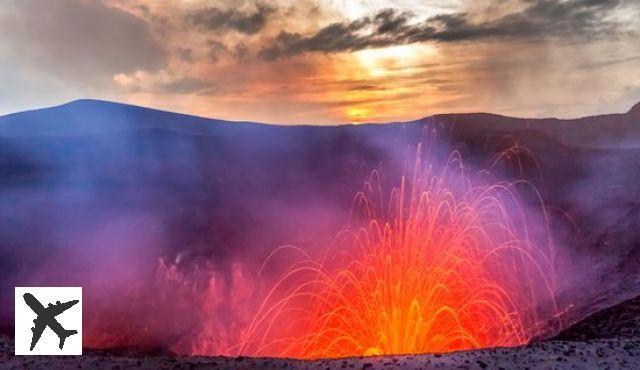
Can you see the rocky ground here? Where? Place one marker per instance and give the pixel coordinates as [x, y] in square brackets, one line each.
[596, 354]
[609, 339]
[621, 321]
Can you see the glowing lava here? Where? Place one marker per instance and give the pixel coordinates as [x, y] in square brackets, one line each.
[441, 262]
[440, 265]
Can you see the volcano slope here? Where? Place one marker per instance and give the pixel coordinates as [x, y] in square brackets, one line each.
[89, 185]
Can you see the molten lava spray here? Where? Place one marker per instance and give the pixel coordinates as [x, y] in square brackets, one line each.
[441, 264]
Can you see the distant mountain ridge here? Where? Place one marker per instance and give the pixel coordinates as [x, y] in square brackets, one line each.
[86, 116]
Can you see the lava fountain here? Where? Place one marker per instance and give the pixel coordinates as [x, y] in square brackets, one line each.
[440, 264]
[441, 260]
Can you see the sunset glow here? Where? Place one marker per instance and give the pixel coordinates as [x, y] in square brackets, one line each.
[329, 62]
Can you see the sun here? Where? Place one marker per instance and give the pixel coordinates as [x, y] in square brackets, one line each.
[358, 114]
[380, 77]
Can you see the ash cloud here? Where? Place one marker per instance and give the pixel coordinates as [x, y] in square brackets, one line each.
[216, 19]
[581, 19]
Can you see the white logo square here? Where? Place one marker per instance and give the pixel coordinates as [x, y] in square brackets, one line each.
[48, 320]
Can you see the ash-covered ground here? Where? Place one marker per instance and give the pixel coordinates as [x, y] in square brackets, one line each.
[609, 339]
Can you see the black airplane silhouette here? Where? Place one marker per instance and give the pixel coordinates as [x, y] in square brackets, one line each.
[47, 317]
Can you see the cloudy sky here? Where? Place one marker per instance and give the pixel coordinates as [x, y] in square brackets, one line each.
[324, 62]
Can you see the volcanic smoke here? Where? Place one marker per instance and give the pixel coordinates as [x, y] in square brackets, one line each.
[441, 261]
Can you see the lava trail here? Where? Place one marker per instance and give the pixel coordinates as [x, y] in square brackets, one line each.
[440, 264]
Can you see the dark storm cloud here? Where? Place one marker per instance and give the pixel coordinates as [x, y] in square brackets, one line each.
[216, 19]
[538, 19]
[216, 49]
[83, 41]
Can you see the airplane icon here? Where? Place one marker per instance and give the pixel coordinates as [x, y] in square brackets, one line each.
[47, 317]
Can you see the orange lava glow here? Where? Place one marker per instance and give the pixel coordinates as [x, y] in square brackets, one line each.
[440, 265]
